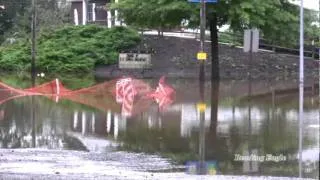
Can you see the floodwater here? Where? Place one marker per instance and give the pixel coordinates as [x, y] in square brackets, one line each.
[249, 128]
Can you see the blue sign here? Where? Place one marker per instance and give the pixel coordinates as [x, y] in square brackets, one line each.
[206, 1]
[194, 167]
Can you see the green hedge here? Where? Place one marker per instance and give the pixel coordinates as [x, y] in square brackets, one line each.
[73, 49]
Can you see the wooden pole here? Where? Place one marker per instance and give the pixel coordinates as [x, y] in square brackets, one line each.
[201, 78]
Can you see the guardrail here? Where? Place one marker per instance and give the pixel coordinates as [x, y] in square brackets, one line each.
[237, 40]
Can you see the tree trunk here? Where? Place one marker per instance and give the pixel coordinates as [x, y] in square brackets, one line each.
[213, 145]
[214, 106]
[215, 74]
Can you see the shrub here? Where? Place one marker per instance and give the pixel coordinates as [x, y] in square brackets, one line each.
[72, 49]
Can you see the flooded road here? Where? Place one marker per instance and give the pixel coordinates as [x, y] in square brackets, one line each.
[249, 129]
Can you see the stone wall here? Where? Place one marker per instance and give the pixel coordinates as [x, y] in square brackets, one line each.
[176, 57]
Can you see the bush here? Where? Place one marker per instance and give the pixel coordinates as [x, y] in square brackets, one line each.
[70, 49]
[23, 80]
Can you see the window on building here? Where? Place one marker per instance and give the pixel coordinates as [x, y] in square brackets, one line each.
[90, 12]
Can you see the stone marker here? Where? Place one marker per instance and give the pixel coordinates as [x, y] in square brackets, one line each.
[134, 61]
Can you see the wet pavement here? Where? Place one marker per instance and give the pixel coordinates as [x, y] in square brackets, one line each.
[59, 164]
[62, 163]
[250, 130]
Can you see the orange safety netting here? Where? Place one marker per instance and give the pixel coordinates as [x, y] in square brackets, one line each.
[131, 95]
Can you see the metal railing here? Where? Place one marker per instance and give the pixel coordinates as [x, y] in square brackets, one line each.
[237, 40]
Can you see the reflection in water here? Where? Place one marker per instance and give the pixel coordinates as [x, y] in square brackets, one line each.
[128, 91]
[246, 132]
[20, 129]
[33, 121]
[1, 115]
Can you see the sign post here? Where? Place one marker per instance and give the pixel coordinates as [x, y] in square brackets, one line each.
[202, 56]
[251, 40]
[202, 37]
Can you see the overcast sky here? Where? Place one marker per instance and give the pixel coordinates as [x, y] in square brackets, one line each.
[310, 4]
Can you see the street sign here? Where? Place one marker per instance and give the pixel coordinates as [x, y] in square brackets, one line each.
[201, 56]
[134, 61]
[206, 1]
[210, 167]
[251, 40]
[201, 107]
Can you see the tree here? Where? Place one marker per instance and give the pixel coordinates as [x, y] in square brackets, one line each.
[16, 18]
[8, 12]
[284, 27]
[48, 9]
[277, 19]
[157, 14]
[4, 23]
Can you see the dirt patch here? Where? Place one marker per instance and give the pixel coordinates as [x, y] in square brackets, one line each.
[176, 57]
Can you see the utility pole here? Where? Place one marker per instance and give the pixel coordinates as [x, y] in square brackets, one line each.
[201, 79]
[201, 106]
[202, 35]
[33, 43]
[301, 87]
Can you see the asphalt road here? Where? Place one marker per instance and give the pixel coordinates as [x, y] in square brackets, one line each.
[78, 165]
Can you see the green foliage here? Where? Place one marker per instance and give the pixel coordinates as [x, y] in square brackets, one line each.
[23, 80]
[230, 38]
[12, 9]
[157, 14]
[16, 17]
[75, 49]
[16, 80]
[283, 28]
[46, 9]
[15, 57]
[278, 20]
